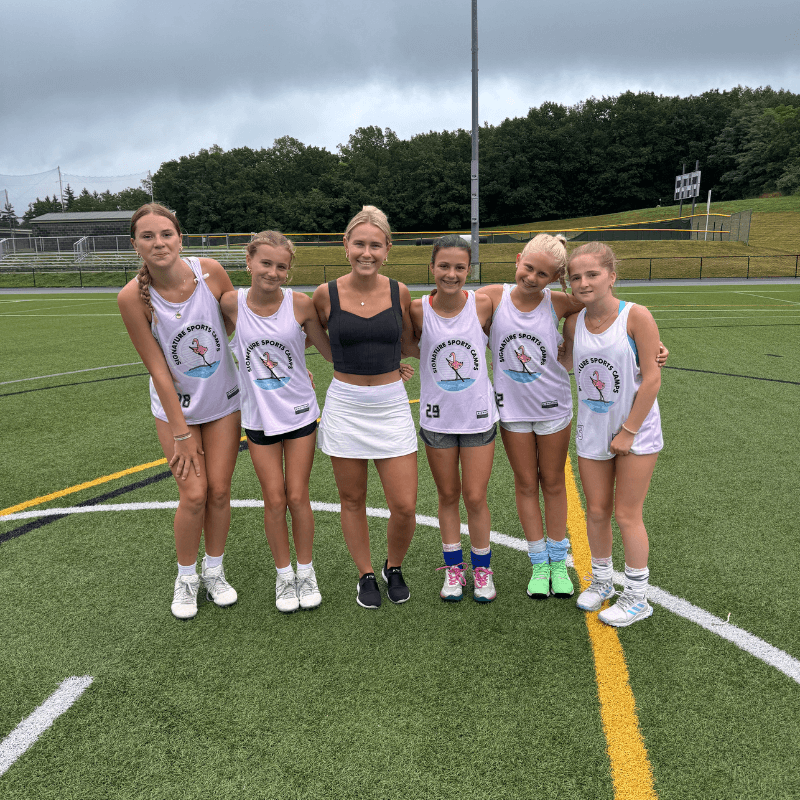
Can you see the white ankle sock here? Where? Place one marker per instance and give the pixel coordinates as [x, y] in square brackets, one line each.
[213, 561]
[188, 569]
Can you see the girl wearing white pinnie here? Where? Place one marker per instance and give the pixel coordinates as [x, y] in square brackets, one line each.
[279, 406]
[612, 346]
[457, 412]
[172, 314]
[535, 402]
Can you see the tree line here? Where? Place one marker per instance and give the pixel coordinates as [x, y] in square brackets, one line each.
[598, 156]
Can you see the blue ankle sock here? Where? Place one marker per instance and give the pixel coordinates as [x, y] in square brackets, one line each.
[537, 552]
[453, 554]
[557, 551]
[480, 558]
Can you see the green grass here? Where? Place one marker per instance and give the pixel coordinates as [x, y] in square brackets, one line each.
[425, 700]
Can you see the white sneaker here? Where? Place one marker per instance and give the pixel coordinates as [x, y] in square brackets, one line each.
[591, 598]
[217, 588]
[453, 581]
[184, 600]
[286, 599]
[307, 589]
[630, 608]
[484, 591]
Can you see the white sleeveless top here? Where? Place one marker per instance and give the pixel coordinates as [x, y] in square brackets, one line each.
[277, 396]
[456, 395]
[194, 342]
[530, 384]
[608, 376]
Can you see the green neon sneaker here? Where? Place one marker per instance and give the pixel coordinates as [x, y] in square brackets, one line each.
[539, 584]
[560, 580]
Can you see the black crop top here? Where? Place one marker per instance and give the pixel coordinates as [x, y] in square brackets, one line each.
[365, 345]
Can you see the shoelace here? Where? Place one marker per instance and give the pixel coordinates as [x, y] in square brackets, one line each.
[305, 586]
[596, 585]
[481, 576]
[455, 574]
[539, 571]
[629, 598]
[287, 589]
[215, 582]
[185, 592]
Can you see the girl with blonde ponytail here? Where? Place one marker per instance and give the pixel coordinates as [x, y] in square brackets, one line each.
[172, 314]
[535, 402]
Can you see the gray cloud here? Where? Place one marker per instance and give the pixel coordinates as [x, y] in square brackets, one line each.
[108, 87]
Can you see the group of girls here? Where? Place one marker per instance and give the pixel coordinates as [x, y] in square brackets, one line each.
[177, 310]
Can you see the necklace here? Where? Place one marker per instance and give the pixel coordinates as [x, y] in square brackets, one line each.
[180, 288]
[597, 325]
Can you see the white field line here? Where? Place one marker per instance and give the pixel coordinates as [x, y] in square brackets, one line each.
[715, 318]
[74, 372]
[32, 727]
[59, 306]
[745, 641]
[60, 316]
[766, 297]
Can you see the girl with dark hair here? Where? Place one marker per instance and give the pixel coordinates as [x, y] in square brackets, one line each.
[457, 412]
[172, 314]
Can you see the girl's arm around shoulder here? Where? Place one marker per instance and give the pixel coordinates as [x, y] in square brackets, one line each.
[219, 282]
[485, 309]
[322, 303]
[565, 354]
[306, 315]
[415, 312]
[494, 292]
[229, 303]
[408, 344]
[565, 305]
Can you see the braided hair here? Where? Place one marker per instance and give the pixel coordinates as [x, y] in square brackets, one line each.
[143, 275]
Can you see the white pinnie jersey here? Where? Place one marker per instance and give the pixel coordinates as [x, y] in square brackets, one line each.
[194, 342]
[456, 395]
[530, 384]
[606, 367]
[277, 396]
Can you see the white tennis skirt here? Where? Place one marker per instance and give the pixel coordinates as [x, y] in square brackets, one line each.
[366, 422]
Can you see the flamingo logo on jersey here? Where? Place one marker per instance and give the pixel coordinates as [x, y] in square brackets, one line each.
[455, 365]
[598, 382]
[197, 351]
[271, 380]
[525, 374]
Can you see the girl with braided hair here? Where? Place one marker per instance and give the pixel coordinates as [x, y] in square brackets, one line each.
[172, 314]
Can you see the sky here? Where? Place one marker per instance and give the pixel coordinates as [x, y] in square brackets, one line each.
[110, 88]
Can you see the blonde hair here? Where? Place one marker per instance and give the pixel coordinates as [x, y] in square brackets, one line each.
[600, 250]
[143, 275]
[371, 216]
[274, 239]
[553, 246]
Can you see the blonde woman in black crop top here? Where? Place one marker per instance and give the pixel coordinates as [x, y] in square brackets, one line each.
[366, 413]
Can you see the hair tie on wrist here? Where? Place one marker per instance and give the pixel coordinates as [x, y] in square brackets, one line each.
[632, 433]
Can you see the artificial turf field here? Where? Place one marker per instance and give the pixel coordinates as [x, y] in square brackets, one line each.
[513, 699]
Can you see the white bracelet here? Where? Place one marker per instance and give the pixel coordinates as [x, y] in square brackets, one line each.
[183, 437]
[632, 433]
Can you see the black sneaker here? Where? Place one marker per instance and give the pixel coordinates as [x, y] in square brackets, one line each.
[395, 585]
[368, 595]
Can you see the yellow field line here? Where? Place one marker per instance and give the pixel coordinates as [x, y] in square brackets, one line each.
[88, 485]
[81, 486]
[630, 767]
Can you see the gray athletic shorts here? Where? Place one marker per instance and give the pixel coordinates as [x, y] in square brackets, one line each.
[444, 441]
